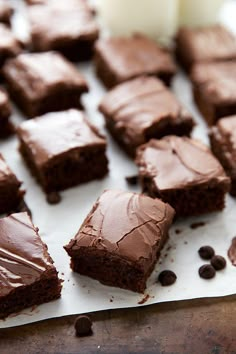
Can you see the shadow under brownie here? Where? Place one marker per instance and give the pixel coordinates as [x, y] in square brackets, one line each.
[67, 26]
[223, 145]
[214, 89]
[120, 240]
[63, 149]
[141, 109]
[44, 82]
[184, 173]
[122, 59]
[27, 274]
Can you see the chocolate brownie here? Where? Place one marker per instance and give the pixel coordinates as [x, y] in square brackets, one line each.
[10, 46]
[63, 149]
[121, 59]
[184, 173]
[66, 26]
[44, 82]
[27, 274]
[223, 145]
[121, 248]
[207, 44]
[214, 89]
[6, 12]
[6, 127]
[141, 109]
[10, 193]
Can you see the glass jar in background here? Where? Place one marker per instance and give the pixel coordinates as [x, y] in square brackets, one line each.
[194, 13]
[157, 19]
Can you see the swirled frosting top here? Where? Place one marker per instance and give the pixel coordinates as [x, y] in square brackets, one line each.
[127, 224]
[179, 162]
[23, 255]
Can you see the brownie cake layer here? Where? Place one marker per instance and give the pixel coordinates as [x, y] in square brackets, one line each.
[205, 44]
[214, 89]
[6, 12]
[6, 128]
[44, 82]
[27, 274]
[11, 196]
[184, 173]
[10, 46]
[223, 144]
[121, 238]
[121, 59]
[67, 26]
[141, 109]
[63, 149]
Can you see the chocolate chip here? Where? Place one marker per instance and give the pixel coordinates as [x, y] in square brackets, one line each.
[132, 180]
[83, 326]
[53, 198]
[196, 225]
[167, 277]
[207, 271]
[206, 252]
[218, 262]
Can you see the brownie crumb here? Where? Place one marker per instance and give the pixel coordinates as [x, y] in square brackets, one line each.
[218, 262]
[144, 299]
[178, 231]
[83, 326]
[206, 252]
[132, 180]
[195, 225]
[207, 271]
[53, 198]
[167, 277]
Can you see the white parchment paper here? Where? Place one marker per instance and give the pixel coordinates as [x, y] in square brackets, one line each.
[59, 223]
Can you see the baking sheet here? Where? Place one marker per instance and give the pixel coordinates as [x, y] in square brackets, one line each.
[59, 223]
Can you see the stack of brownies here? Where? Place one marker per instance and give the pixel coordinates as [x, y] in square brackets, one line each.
[179, 176]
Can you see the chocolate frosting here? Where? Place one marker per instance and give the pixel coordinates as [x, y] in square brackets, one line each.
[232, 252]
[137, 105]
[39, 74]
[23, 256]
[177, 163]
[56, 133]
[9, 45]
[134, 56]
[61, 21]
[208, 43]
[217, 81]
[129, 225]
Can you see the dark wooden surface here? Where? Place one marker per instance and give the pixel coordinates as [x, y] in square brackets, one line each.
[206, 326]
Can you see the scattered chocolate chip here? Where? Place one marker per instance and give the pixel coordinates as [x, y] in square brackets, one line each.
[195, 225]
[178, 231]
[167, 277]
[206, 252]
[218, 262]
[83, 326]
[207, 271]
[132, 180]
[53, 198]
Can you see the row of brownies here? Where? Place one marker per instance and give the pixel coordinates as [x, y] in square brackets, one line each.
[180, 175]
